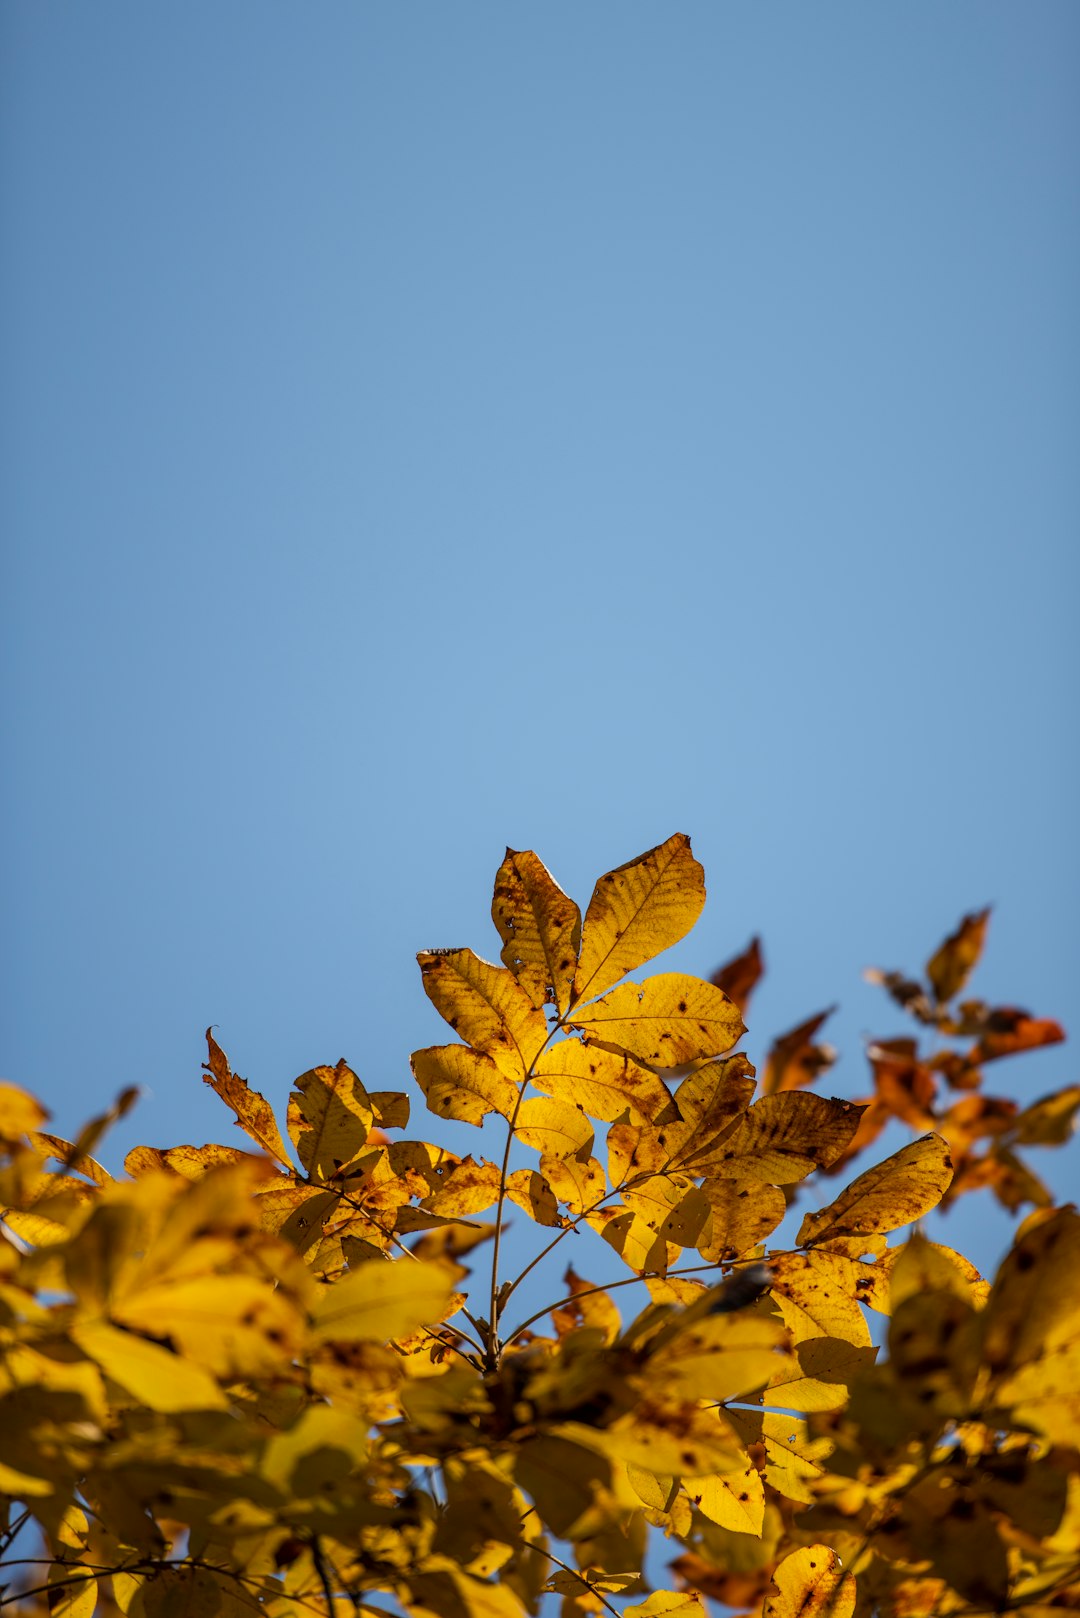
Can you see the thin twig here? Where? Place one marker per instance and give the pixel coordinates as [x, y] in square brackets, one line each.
[574, 1574]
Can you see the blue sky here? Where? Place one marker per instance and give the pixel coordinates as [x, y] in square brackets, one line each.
[435, 427]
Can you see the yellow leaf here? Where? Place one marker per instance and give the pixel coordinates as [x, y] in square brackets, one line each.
[828, 1367]
[894, 1193]
[735, 1500]
[782, 1138]
[604, 1083]
[742, 1214]
[813, 1302]
[633, 1238]
[469, 1187]
[390, 1108]
[667, 1020]
[555, 1128]
[63, 1151]
[719, 1357]
[562, 1478]
[157, 1378]
[461, 1083]
[1050, 1121]
[532, 1192]
[666, 1438]
[580, 1185]
[191, 1162]
[190, 1592]
[950, 966]
[69, 1595]
[810, 1583]
[234, 1325]
[637, 911]
[253, 1114]
[668, 1604]
[329, 1119]
[924, 1267]
[540, 928]
[382, 1299]
[20, 1113]
[320, 1449]
[486, 1006]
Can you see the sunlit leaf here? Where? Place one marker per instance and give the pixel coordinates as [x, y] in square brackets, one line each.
[668, 1604]
[161, 1380]
[1050, 1121]
[486, 1006]
[605, 1084]
[381, 1300]
[893, 1193]
[532, 1192]
[810, 1583]
[637, 911]
[556, 1128]
[20, 1112]
[329, 1119]
[952, 964]
[468, 1188]
[743, 1213]
[794, 1059]
[781, 1139]
[540, 928]
[462, 1083]
[577, 1183]
[666, 1020]
[253, 1115]
[740, 976]
[733, 1499]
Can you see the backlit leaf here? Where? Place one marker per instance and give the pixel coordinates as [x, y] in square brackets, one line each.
[461, 1083]
[795, 1060]
[735, 1500]
[665, 1021]
[578, 1184]
[740, 976]
[540, 928]
[810, 1583]
[951, 965]
[637, 911]
[555, 1128]
[1050, 1121]
[486, 1006]
[253, 1115]
[605, 1084]
[782, 1138]
[668, 1604]
[743, 1213]
[532, 1192]
[19, 1112]
[160, 1379]
[468, 1188]
[380, 1300]
[329, 1119]
[894, 1193]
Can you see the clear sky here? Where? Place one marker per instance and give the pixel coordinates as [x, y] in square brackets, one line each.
[435, 426]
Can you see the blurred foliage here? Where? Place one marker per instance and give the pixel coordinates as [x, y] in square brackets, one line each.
[257, 1379]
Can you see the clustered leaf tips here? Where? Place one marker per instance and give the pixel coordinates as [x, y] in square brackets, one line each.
[291, 1376]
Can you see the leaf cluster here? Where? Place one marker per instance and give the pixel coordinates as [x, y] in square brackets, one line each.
[266, 1380]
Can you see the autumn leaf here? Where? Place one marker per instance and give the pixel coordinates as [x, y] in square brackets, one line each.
[781, 1139]
[894, 1193]
[556, 1128]
[637, 911]
[795, 1060]
[461, 1083]
[381, 1300]
[486, 1006]
[605, 1084]
[951, 965]
[539, 926]
[810, 1583]
[253, 1115]
[329, 1119]
[740, 976]
[665, 1021]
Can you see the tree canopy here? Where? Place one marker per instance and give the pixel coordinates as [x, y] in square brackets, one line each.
[293, 1376]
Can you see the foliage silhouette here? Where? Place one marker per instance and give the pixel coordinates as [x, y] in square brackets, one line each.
[264, 1380]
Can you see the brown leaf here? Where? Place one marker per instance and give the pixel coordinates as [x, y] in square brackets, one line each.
[540, 928]
[951, 965]
[794, 1060]
[739, 977]
[254, 1115]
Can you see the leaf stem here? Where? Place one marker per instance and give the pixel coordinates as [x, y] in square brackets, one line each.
[574, 1574]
